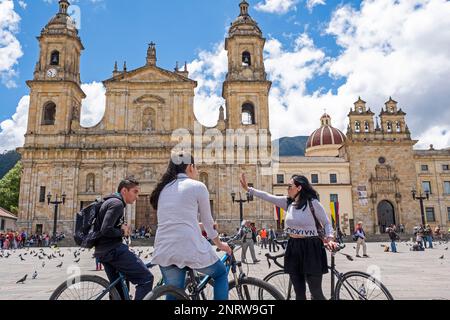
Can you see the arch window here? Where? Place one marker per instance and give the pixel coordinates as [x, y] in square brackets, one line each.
[389, 126]
[246, 59]
[54, 58]
[248, 114]
[398, 127]
[366, 126]
[49, 114]
[357, 126]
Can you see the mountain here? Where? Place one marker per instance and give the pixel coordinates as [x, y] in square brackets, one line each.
[7, 161]
[292, 146]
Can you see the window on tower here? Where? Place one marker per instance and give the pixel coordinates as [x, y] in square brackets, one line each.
[357, 126]
[49, 114]
[398, 126]
[248, 114]
[54, 60]
[246, 59]
[366, 126]
[389, 126]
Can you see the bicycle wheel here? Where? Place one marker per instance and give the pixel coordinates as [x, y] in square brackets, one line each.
[208, 291]
[253, 289]
[164, 292]
[282, 282]
[85, 287]
[357, 285]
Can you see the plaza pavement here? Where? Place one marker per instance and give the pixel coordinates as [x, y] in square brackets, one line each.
[408, 275]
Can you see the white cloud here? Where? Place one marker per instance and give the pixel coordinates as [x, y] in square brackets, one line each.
[310, 4]
[10, 48]
[399, 48]
[94, 105]
[209, 70]
[276, 6]
[12, 131]
[22, 4]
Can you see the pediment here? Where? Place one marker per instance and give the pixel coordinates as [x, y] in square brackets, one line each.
[149, 74]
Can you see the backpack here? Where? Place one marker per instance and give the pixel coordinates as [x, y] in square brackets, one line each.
[86, 229]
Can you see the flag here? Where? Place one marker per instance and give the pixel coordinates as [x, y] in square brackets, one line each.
[279, 214]
[334, 206]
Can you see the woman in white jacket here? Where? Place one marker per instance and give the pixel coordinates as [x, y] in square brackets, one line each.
[179, 200]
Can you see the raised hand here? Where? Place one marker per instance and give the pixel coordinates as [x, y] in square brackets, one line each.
[244, 182]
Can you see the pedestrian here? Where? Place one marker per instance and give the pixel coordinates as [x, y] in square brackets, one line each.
[181, 201]
[98, 265]
[360, 237]
[272, 236]
[263, 235]
[305, 259]
[402, 228]
[420, 237]
[428, 236]
[246, 237]
[394, 237]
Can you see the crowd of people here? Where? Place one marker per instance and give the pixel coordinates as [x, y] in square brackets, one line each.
[12, 240]
[144, 232]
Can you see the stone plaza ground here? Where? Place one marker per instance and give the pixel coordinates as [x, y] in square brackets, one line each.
[408, 275]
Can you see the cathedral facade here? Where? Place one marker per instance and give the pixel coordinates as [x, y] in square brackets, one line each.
[144, 108]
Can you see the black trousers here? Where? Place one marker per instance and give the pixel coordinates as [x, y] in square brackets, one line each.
[123, 260]
[314, 284]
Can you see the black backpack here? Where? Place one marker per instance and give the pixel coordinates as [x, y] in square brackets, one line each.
[87, 230]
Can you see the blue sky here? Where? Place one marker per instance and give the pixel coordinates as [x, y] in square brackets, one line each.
[321, 57]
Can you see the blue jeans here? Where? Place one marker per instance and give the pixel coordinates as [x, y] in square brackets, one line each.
[430, 241]
[176, 277]
[123, 260]
[393, 246]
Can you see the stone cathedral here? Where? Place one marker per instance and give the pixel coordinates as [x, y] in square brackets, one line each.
[143, 108]
[370, 171]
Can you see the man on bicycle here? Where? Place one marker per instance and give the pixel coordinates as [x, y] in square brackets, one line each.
[110, 249]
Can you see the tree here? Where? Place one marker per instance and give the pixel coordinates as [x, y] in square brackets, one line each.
[10, 188]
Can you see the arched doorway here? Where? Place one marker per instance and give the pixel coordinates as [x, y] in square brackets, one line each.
[386, 215]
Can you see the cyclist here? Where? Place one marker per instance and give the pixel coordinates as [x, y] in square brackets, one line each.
[305, 258]
[110, 249]
[179, 199]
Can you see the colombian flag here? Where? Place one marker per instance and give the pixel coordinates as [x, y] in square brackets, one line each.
[334, 206]
[280, 214]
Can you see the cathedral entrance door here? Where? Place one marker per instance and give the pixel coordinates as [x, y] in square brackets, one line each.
[145, 214]
[386, 215]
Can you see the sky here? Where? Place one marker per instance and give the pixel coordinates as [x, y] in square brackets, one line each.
[321, 55]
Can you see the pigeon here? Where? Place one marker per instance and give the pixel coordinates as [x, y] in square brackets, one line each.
[43, 264]
[49, 257]
[22, 280]
[146, 257]
[35, 255]
[442, 257]
[75, 254]
[78, 260]
[446, 248]
[59, 265]
[35, 274]
[21, 258]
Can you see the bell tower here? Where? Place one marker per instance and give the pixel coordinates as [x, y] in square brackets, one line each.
[246, 88]
[56, 95]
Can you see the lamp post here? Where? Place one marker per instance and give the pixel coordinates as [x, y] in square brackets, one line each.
[56, 203]
[421, 198]
[241, 203]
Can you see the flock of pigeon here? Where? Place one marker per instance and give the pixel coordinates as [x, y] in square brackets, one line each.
[53, 253]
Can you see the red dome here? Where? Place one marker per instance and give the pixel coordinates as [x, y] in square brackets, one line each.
[326, 135]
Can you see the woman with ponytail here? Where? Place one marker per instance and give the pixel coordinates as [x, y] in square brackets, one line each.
[305, 259]
[180, 200]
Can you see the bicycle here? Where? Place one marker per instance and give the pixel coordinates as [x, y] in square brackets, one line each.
[89, 287]
[353, 285]
[241, 287]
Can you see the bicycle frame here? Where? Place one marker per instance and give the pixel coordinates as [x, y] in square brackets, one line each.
[122, 280]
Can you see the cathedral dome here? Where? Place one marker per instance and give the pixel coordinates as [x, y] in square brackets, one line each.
[244, 24]
[61, 23]
[326, 140]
